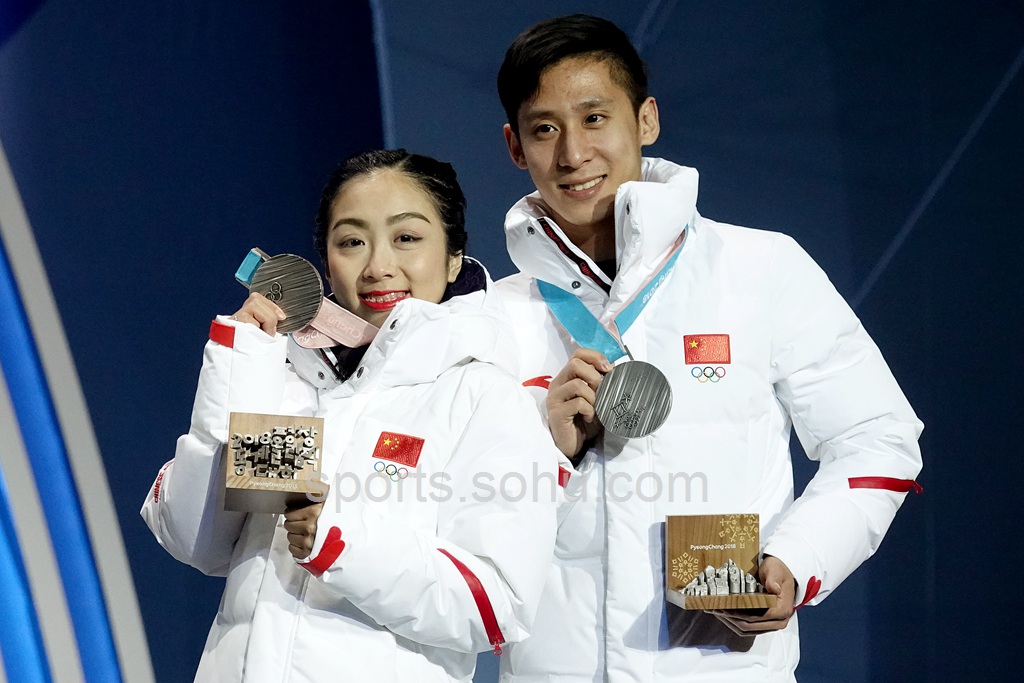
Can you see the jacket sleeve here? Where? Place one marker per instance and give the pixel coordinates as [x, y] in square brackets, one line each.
[244, 372]
[850, 416]
[476, 582]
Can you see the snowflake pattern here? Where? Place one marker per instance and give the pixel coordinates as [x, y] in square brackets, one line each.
[685, 567]
[739, 529]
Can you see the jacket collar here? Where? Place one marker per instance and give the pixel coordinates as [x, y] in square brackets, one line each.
[650, 215]
[421, 340]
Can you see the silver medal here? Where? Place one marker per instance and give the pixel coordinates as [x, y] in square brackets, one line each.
[633, 400]
[292, 283]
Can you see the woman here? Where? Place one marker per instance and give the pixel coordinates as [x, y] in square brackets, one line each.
[385, 580]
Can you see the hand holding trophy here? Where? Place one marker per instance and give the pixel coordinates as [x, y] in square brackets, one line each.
[273, 461]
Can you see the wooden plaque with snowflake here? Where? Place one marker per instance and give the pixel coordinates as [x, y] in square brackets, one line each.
[711, 562]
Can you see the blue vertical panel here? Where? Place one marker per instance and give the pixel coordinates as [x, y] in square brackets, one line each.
[24, 658]
[21, 646]
[44, 444]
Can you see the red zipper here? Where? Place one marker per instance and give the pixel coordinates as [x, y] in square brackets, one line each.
[483, 603]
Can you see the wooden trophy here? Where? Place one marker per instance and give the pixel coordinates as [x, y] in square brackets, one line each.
[711, 562]
[272, 461]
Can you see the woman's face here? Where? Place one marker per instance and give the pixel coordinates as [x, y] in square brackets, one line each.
[385, 243]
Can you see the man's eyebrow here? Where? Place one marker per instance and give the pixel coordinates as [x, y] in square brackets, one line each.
[592, 103]
[582, 106]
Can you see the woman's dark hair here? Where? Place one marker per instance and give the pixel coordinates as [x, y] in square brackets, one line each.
[436, 178]
[549, 42]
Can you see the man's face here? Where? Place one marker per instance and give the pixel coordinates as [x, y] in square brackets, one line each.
[580, 138]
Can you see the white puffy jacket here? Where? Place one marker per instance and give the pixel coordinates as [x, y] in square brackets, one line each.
[796, 356]
[406, 581]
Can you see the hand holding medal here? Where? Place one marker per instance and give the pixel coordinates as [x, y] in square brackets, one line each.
[570, 401]
[631, 399]
[294, 286]
[634, 398]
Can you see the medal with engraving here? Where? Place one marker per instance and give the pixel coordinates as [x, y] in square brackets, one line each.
[292, 283]
[633, 400]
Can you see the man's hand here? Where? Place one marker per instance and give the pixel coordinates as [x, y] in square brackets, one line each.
[260, 311]
[776, 578]
[570, 402]
[300, 523]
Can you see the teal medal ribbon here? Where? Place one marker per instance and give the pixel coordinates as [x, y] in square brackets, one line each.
[585, 328]
[634, 399]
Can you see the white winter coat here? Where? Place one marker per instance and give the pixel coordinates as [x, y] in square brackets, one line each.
[407, 581]
[798, 357]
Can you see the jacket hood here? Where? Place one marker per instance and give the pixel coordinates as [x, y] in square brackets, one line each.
[650, 215]
[420, 340]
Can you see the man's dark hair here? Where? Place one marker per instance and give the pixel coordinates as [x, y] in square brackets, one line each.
[436, 178]
[549, 42]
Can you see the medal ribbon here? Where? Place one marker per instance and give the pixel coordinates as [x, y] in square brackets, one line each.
[332, 324]
[586, 329]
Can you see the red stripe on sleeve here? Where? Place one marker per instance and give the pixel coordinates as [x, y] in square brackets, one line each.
[222, 334]
[813, 586]
[483, 603]
[332, 547]
[563, 476]
[886, 484]
[543, 382]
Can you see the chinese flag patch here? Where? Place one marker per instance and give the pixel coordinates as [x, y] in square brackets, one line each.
[400, 448]
[706, 348]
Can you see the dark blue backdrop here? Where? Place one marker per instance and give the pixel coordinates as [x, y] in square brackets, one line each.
[153, 143]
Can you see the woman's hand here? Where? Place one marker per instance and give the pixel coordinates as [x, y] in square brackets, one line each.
[260, 311]
[300, 523]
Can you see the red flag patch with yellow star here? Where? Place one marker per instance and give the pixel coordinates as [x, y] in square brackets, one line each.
[707, 348]
[400, 448]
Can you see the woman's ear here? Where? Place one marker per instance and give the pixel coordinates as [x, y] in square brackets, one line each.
[454, 267]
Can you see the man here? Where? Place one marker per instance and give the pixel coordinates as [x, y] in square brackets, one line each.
[753, 340]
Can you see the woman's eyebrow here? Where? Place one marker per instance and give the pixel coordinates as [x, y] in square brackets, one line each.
[406, 215]
[344, 220]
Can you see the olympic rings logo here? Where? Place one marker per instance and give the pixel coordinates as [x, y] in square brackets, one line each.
[391, 471]
[708, 374]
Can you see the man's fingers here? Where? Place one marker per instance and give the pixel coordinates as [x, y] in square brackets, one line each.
[570, 400]
[593, 358]
[586, 365]
[585, 372]
[740, 626]
[566, 411]
[575, 388]
[777, 580]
